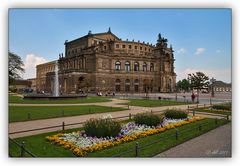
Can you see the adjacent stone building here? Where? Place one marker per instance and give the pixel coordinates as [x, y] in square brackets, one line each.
[41, 76]
[102, 62]
[220, 86]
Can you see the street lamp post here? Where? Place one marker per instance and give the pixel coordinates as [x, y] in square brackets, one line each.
[212, 86]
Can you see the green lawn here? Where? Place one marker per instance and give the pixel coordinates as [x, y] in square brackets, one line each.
[90, 99]
[152, 103]
[39, 146]
[208, 110]
[21, 113]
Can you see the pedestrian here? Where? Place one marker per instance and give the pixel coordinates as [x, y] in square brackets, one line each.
[193, 97]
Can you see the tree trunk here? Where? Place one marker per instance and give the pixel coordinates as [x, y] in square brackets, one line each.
[197, 95]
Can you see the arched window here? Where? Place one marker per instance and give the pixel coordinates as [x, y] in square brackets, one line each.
[127, 85]
[151, 67]
[144, 66]
[117, 85]
[127, 66]
[136, 85]
[136, 66]
[117, 65]
[151, 85]
[145, 85]
[170, 85]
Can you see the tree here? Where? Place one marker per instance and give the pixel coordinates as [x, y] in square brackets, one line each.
[198, 81]
[179, 86]
[86, 83]
[183, 85]
[15, 67]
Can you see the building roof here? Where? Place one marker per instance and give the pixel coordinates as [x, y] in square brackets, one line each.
[23, 82]
[43, 64]
[221, 83]
[90, 34]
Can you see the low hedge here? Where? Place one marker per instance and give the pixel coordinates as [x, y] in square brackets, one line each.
[227, 106]
[102, 127]
[148, 119]
[175, 114]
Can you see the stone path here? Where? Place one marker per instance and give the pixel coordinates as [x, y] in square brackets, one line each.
[34, 124]
[216, 143]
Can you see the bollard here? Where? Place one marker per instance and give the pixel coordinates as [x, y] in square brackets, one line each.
[22, 145]
[200, 127]
[29, 116]
[130, 116]
[136, 149]
[188, 107]
[177, 134]
[63, 125]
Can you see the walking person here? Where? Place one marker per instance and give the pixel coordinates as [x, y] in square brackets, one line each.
[193, 97]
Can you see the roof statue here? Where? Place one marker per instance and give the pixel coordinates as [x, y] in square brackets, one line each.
[109, 30]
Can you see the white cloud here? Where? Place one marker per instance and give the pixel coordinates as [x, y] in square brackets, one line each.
[182, 51]
[30, 63]
[218, 51]
[219, 74]
[200, 51]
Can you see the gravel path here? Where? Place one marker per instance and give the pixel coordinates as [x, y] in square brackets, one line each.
[34, 124]
[216, 143]
[28, 125]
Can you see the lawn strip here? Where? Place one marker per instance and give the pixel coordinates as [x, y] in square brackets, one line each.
[25, 113]
[152, 103]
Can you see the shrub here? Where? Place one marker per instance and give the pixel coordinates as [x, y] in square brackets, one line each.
[175, 114]
[102, 127]
[226, 106]
[148, 119]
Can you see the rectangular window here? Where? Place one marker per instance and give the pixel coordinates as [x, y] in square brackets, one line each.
[140, 48]
[135, 47]
[105, 47]
[123, 46]
[117, 45]
[145, 49]
[130, 46]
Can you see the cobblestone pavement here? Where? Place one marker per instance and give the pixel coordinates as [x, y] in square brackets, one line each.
[216, 143]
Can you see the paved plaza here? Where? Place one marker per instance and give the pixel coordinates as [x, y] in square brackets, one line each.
[216, 143]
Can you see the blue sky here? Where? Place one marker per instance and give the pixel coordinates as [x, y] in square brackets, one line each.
[201, 38]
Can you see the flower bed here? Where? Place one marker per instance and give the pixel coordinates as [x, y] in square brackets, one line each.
[81, 144]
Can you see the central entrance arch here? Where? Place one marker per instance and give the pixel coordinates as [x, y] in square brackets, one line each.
[80, 84]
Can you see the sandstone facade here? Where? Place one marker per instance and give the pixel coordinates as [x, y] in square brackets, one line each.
[103, 62]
